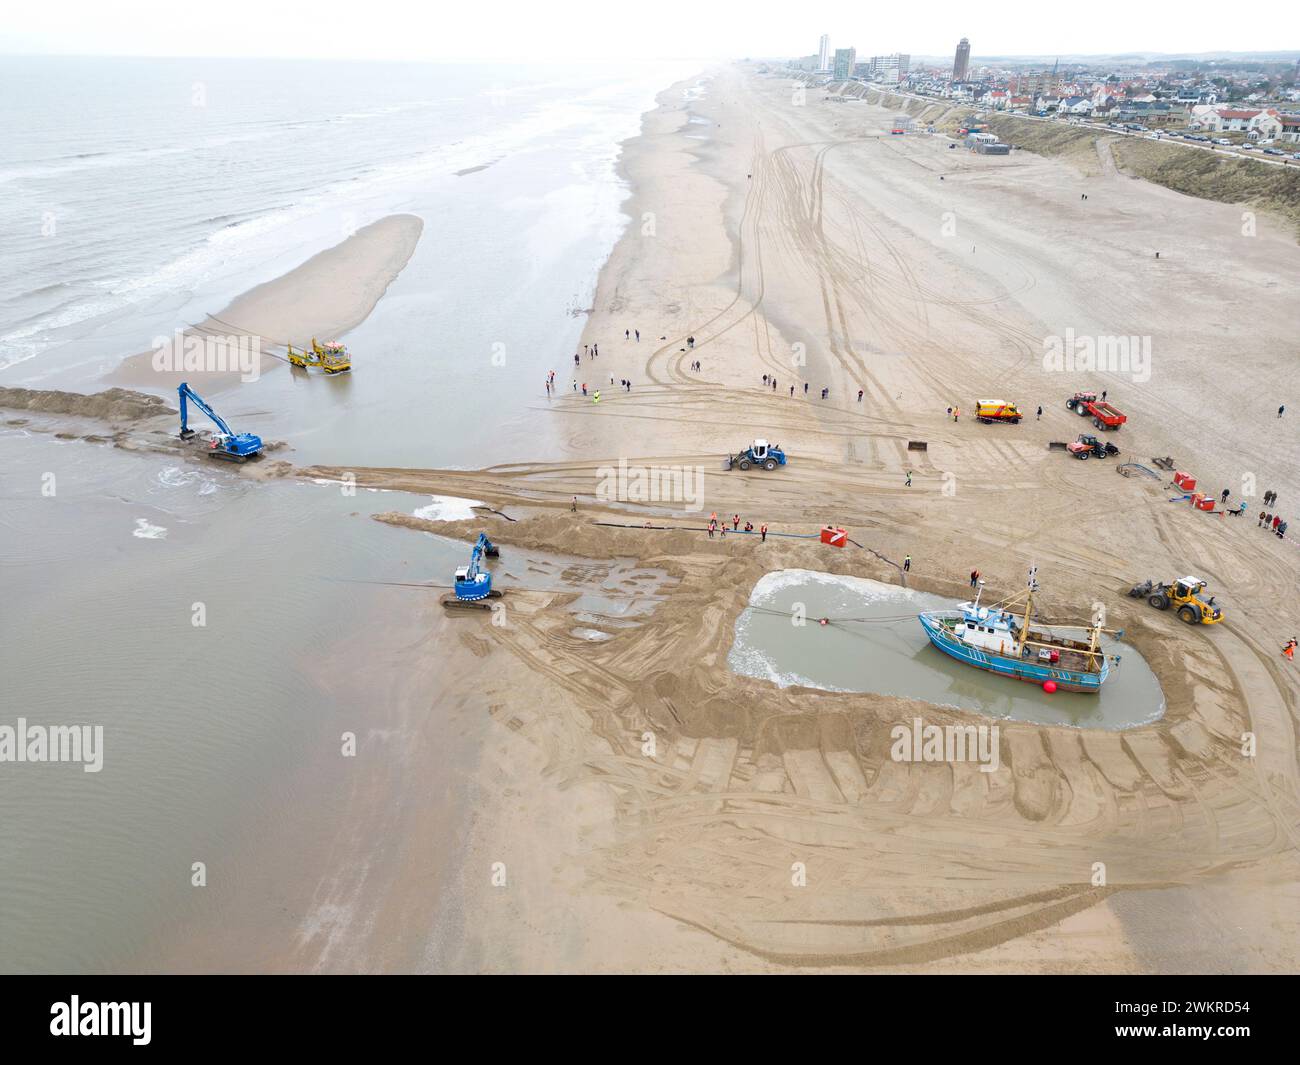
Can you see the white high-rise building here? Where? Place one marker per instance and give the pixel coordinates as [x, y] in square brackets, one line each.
[824, 54]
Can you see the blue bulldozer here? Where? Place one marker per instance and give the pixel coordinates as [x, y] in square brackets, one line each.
[226, 444]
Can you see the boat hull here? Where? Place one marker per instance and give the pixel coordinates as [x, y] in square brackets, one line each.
[1025, 669]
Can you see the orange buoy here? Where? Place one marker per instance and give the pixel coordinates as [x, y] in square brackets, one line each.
[1049, 686]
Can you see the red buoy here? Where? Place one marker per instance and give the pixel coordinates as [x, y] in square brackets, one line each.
[824, 621]
[1049, 686]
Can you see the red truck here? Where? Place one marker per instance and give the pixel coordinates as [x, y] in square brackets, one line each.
[1104, 416]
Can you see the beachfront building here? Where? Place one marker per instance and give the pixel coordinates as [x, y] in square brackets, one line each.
[824, 54]
[845, 58]
[889, 68]
[961, 62]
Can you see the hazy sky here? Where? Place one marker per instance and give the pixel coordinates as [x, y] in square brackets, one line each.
[588, 29]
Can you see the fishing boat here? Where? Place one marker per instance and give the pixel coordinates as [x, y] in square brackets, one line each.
[1002, 638]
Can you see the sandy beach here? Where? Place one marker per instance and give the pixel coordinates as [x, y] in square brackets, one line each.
[629, 804]
[808, 225]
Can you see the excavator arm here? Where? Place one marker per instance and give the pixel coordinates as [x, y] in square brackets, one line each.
[187, 393]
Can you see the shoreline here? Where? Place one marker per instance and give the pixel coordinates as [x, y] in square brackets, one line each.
[325, 297]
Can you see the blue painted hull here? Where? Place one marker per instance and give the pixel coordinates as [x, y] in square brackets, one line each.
[1026, 669]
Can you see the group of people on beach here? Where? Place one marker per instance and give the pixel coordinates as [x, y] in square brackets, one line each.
[720, 527]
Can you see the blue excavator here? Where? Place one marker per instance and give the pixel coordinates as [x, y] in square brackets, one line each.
[237, 447]
[473, 582]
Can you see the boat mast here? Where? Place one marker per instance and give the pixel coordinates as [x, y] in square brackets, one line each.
[1029, 609]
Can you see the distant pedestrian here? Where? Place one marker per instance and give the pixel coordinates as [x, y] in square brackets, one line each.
[638, 335]
[690, 342]
[907, 563]
[735, 522]
[1223, 497]
[575, 358]
[792, 391]
[1103, 395]
[573, 505]
[949, 412]
[956, 414]
[974, 578]
[805, 391]
[1262, 518]
[1281, 531]
[908, 482]
[1157, 255]
[627, 334]
[584, 388]
[859, 395]
[1281, 411]
[1040, 414]
[712, 525]
[1277, 520]
[596, 396]
[1289, 647]
[765, 380]
[762, 532]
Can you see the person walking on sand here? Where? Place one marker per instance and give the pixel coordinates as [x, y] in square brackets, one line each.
[584, 388]
[974, 578]
[859, 395]
[712, 525]
[735, 522]
[1040, 415]
[762, 533]
[1262, 518]
[908, 482]
[1277, 520]
[1281, 411]
[907, 563]
[956, 414]
[596, 397]
[573, 505]
[949, 412]
[792, 391]
[638, 335]
[1103, 395]
[627, 334]
[805, 391]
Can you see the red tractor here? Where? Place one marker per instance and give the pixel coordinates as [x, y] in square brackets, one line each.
[1089, 447]
[1104, 416]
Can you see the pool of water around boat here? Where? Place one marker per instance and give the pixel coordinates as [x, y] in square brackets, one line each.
[887, 653]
